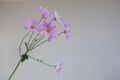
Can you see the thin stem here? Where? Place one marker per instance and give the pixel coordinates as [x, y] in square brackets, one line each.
[21, 43]
[41, 61]
[38, 40]
[45, 41]
[41, 20]
[47, 64]
[33, 40]
[40, 44]
[15, 69]
[30, 38]
[60, 33]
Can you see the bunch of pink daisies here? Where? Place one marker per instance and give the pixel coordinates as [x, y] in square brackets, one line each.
[39, 33]
[46, 26]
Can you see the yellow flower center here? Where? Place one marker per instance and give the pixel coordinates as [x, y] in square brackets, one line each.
[48, 29]
[32, 27]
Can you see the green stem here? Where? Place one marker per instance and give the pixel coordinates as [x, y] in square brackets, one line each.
[47, 64]
[60, 33]
[45, 41]
[42, 61]
[30, 38]
[21, 43]
[40, 44]
[41, 20]
[17, 66]
[37, 41]
[15, 69]
[33, 40]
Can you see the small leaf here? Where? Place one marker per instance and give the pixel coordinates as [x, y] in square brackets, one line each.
[26, 45]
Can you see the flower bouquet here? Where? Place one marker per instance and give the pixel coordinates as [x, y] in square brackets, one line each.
[39, 33]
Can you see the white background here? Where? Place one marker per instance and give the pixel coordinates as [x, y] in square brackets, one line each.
[93, 53]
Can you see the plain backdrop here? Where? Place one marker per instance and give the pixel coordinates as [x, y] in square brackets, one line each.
[92, 53]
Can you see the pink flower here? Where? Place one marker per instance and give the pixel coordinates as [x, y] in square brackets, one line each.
[49, 29]
[59, 68]
[67, 30]
[31, 25]
[45, 13]
[57, 17]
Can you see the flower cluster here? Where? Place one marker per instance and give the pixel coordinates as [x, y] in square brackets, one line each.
[40, 32]
[46, 26]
